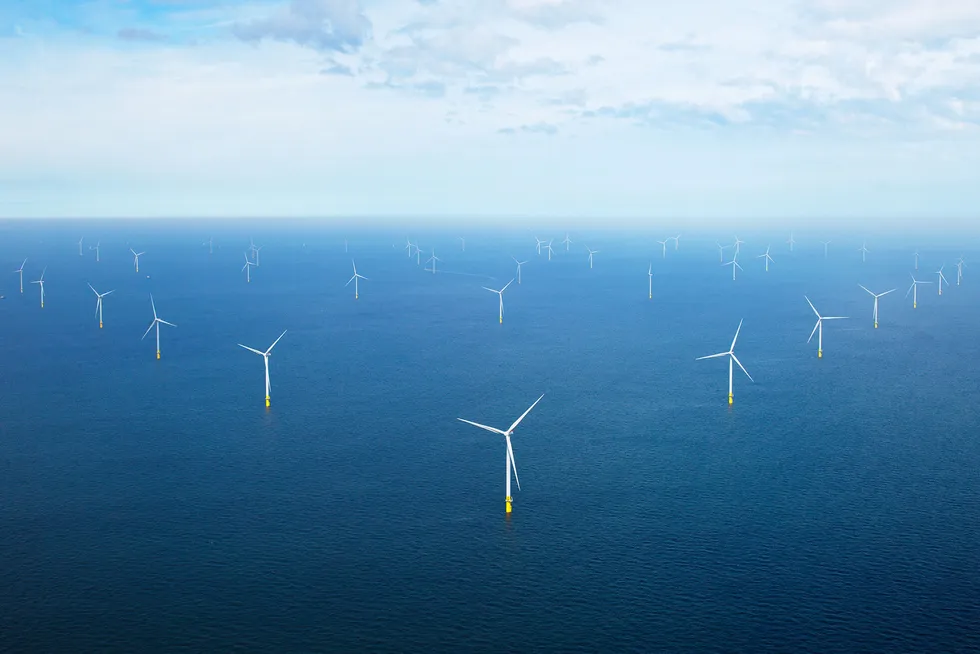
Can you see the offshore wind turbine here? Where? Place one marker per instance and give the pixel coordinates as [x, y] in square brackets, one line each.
[433, 259]
[825, 244]
[247, 268]
[210, 245]
[136, 258]
[819, 327]
[730, 353]
[650, 276]
[98, 303]
[664, 244]
[538, 246]
[677, 242]
[408, 246]
[864, 252]
[519, 264]
[462, 243]
[265, 357]
[355, 278]
[20, 271]
[791, 241]
[80, 245]
[418, 255]
[508, 500]
[876, 296]
[157, 321]
[40, 282]
[734, 264]
[959, 270]
[942, 278]
[738, 242]
[96, 248]
[550, 251]
[591, 252]
[567, 241]
[914, 290]
[501, 294]
[916, 255]
[766, 256]
[721, 251]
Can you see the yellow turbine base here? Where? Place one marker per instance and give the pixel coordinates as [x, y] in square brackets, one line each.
[100, 324]
[158, 355]
[501, 321]
[267, 402]
[509, 504]
[651, 296]
[913, 305]
[940, 291]
[876, 325]
[819, 354]
[42, 305]
[731, 399]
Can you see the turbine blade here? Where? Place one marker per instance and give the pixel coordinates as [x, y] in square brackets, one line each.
[736, 335]
[811, 306]
[735, 358]
[93, 290]
[814, 331]
[865, 289]
[251, 349]
[518, 421]
[506, 285]
[166, 323]
[476, 424]
[153, 306]
[148, 330]
[712, 356]
[276, 341]
[513, 463]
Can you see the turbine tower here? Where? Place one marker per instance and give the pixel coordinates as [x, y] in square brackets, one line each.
[765, 256]
[265, 356]
[914, 290]
[819, 327]
[136, 258]
[730, 353]
[157, 321]
[357, 277]
[650, 275]
[876, 296]
[942, 279]
[501, 294]
[40, 282]
[98, 303]
[20, 271]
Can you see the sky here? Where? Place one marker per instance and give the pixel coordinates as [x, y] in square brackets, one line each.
[631, 110]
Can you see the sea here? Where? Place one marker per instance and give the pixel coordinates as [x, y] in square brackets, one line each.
[159, 506]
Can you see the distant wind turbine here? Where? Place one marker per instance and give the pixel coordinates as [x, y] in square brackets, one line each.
[734, 264]
[462, 243]
[738, 242]
[591, 253]
[567, 241]
[510, 450]
[265, 357]
[664, 244]
[210, 245]
[539, 244]
[791, 242]
[677, 242]
[916, 255]
[500, 293]
[721, 251]
[408, 246]
[864, 252]
[550, 251]
[80, 245]
[40, 282]
[96, 248]
[98, 303]
[433, 259]
[819, 327]
[914, 290]
[136, 258]
[20, 271]
[730, 353]
[357, 277]
[650, 276]
[766, 256]
[519, 264]
[157, 321]
[959, 270]
[942, 279]
[247, 268]
[876, 296]
[825, 244]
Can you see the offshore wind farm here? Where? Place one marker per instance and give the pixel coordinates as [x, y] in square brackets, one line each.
[361, 439]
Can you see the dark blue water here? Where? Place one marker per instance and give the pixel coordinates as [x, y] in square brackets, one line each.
[158, 506]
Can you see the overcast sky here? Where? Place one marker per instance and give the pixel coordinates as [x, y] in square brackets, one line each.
[628, 109]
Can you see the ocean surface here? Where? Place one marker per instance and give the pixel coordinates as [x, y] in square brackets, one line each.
[158, 506]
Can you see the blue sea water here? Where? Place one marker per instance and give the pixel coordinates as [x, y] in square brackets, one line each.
[158, 506]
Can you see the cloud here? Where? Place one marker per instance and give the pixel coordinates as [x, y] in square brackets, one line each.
[136, 34]
[328, 25]
[337, 69]
[536, 128]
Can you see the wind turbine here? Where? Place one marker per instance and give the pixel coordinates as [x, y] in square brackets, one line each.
[567, 241]
[959, 270]
[677, 242]
[791, 241]
[730, 353]
[357, 277]
[650, 275]
[738, 242]
[20, 271]
[916, 255]
[510, 450]
[98, 303]
[157, 321]
[876, 296]
[864, 252]
[418, 255]
[80, 245]
[136, 258]
[721, 251]
[819, 327]
[40, 282]
[501, 294]
[942, 278]
[734, 264]
[538, 246]
[433, 259]
[210, 245]
[462, 242]
[914, 290]
[825, 244]
[265, 356]
[519, 264]
[664, 244]
[591, 252]
[247, 268]
[766, 257]
[550, 251]
[408, 246]
[96, 248]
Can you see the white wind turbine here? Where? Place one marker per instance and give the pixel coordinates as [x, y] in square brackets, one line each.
[864, 252]
[539, 244]
[136, 258]
[96, 248]
[501, 294]
[98, 303]
[247, 268]
[942, 278]
[550, 251]
[210, 245]
[734, 264]
[959, 270]
[916, 255]
[80, 245]
[721, 251]
[819, 327]
[418, 255]
[510, 450]
[591, 252]
[738, 242]
[519, 264]
[408, 246]
[157, 321]
[730, 353]
[664, 244]
[567, 241]
[462, 243]
[20, 271]
[791, 241]
[357, 277]
[914, 290]
[766, 256]
[40, 282]
[265, 356]
[650, 276]
[876, 296]
[825, 244]
[433, 259]
[677, 242]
